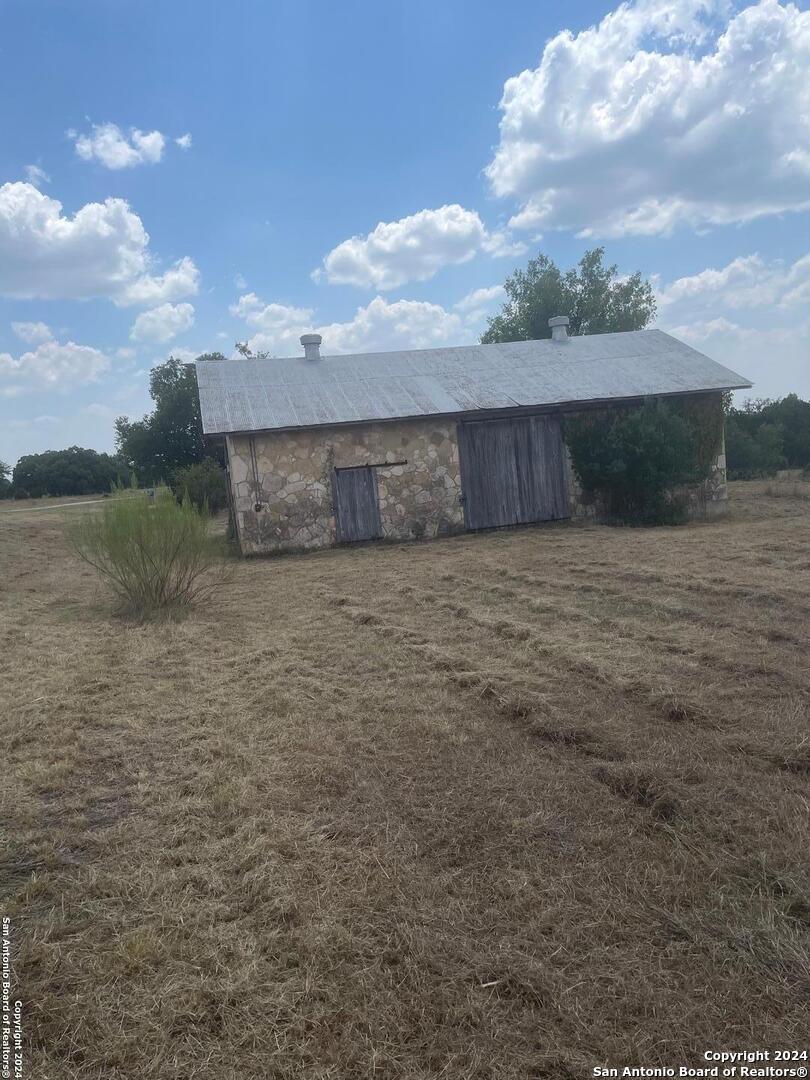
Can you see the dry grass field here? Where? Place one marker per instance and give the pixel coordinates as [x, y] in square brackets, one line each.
[508, 805]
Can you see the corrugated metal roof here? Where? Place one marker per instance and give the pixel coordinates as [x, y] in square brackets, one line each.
[262, 395]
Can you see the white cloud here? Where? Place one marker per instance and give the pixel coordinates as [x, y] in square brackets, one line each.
[103, 250]
[183, 279]
[750, 315]
[402, 324]
[659, 115]
[413, 248]
[481, 298]
[184, 142]
[54, 365]
[380, 325]
[115, 150]
[501, 245]
[162, 323]
[36, 176]
[240, 281]
[184, 354]
[745, 283]
[32, 333]
[477, 305]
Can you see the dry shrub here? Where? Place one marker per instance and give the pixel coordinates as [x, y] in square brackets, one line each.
[158, 557]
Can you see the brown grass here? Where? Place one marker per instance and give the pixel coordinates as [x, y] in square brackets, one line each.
[508, 805]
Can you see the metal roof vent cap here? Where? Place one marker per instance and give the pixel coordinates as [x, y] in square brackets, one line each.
[312, 346]
[559, 327]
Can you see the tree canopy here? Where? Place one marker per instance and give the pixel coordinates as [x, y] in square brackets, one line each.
[765, 435]
[171, 436]
[593, 296]
[74, 471]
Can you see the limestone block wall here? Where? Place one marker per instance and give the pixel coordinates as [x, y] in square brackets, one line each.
[290, 508]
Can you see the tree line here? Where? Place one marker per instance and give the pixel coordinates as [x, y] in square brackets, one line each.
[766, 435]
[167, 445]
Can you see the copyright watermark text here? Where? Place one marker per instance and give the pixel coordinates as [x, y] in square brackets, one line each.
[11, 1056]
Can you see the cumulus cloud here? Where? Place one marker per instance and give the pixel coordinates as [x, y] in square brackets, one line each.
[103, 250]
[379, 325]
[54, 365]
[750, 315]
[413, 248]
[745, 283]
[109, 145]
[481, 299]
[184, 142]
[32, 333]
[162, 323]
[182, 279]
[659, 115]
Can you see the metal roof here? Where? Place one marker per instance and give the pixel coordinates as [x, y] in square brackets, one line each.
[263, 395]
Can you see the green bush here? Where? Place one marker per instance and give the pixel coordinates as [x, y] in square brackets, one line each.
[204, 483]
[634, 459]
[157, 556]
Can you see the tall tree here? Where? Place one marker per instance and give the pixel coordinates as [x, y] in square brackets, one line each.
[171, 436]
[593, 296]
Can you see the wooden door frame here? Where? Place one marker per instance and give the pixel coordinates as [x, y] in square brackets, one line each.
[335, 485]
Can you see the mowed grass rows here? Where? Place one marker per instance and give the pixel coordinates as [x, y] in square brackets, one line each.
[507, 805]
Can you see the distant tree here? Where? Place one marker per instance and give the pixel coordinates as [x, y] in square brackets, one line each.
[593, 296]
[74, 471]
[792, 416]
[245, 351]
[765, 435]
[5, 480]
[171, 436]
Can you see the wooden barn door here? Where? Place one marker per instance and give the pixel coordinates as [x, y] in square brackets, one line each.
[357, 509]
[512, 471]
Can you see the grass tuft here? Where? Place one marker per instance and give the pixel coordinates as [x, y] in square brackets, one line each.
[158, 557]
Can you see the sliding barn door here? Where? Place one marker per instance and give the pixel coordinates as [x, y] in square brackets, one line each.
[512, 471]
[357, 508]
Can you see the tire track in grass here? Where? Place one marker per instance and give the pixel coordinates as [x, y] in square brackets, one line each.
[763, 637]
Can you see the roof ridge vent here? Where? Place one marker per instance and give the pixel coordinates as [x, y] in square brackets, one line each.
[559, 327]
[312, 346]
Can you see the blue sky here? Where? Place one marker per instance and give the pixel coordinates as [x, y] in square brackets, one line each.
[374, 172]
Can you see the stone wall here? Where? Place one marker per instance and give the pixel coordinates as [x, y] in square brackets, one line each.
[291, 508]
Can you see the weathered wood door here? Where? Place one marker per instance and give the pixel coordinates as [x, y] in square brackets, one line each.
[357, 508]
[512, 471]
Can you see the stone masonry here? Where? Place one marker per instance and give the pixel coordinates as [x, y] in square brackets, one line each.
[281, 482]
[291, 507]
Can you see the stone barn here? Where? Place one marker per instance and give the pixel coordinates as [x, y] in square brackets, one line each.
[324, 450]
